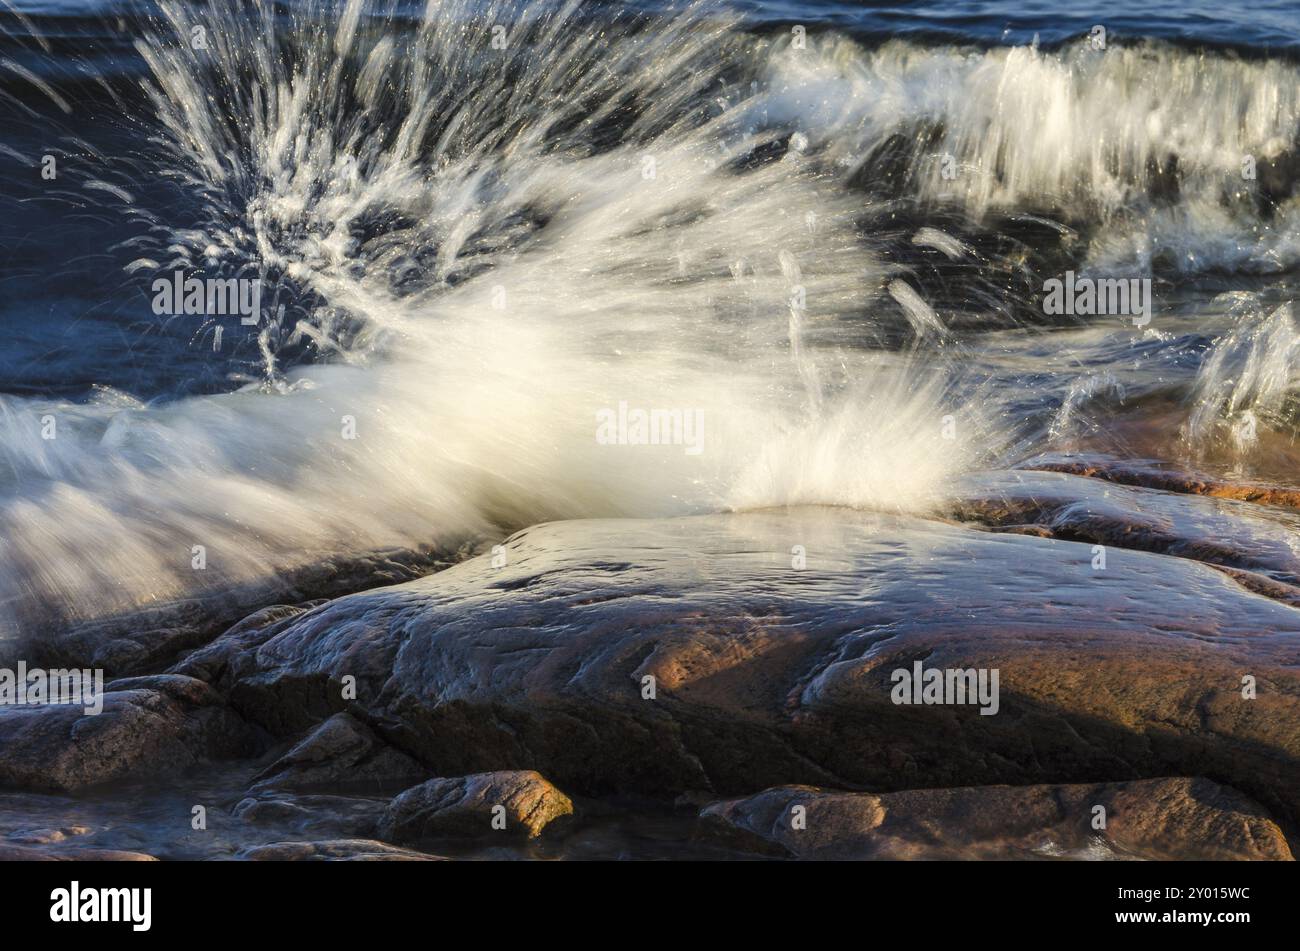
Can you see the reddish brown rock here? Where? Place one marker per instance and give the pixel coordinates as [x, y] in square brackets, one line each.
[19, 853]
[517, 803]
[335, 850]
[1125, 472]
[764, 674]
[1148, 819]
[149, 726]
[341, 754]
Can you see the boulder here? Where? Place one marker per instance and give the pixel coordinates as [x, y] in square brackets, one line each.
[661, 656]
[520, 803]
[148, 637]
[149, 726]
[341, 754]
[1147, 819]
[1219, 531]
[209, 663]
[1157, 475]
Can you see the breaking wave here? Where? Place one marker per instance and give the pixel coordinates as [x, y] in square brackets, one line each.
[481, 228]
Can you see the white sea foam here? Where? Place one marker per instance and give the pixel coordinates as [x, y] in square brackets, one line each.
[1249, 381]
[1086, 133]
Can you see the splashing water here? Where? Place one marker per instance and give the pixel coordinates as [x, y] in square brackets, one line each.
[484, 246]
[1248, 381]
[1175, 160]
[487, 232]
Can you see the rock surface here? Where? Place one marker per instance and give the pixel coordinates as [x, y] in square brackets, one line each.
[335, 850]
[468, 806]
[764, 674]
[1218, 531]
[148, 726]
[1148, 819]
[19, 853]
[318, 816]
[1152, 474]
[342, 754]
[652, 658]
[141, 640]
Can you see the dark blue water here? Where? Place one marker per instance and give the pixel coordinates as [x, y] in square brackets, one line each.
[1266, 24]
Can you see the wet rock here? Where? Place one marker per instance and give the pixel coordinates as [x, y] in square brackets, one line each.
[317, 815]
[47, 836]
[149, 726]
[18, 853]
[890, 166]
[1225, 532]
[150, 638]
[1154, 475]
[341, 754]
[335, 850]
[514, 802]
[886, 170]
[209, 663]
[1149, 819]
[772, 150]
[1264, 585]
[657, 657]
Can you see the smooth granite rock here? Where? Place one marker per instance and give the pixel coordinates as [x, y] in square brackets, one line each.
[148, 726]
[517, 803]
[335, 850]
[341, 754]
[1147, 819]
[766, 674]
[147, 637]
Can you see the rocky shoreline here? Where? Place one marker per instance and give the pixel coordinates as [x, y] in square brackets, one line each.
[721, 685]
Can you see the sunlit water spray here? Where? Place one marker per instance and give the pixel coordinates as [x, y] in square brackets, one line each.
[491, 228]
[484, 230]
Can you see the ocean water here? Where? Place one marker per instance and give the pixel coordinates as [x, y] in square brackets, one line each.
[487, 235]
